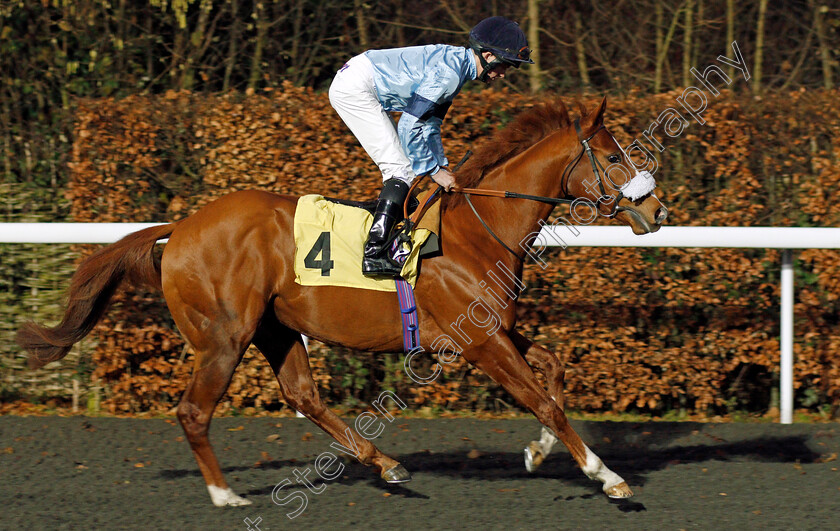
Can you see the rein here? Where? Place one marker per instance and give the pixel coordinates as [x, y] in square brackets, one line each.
[504, 194]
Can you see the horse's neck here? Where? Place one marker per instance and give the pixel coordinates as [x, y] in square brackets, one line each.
[536, 171]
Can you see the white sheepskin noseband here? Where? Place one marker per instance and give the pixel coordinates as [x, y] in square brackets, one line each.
[640, 185]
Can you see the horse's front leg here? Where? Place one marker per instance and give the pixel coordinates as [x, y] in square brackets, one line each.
[501, 360]
[552, 368]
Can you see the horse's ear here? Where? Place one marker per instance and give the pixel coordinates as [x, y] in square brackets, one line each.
[596, 119]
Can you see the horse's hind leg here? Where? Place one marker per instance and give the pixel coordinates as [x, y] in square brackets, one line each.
[547, 363]
[211, 377]
[285, 352]
[219, 337]
[502, 362]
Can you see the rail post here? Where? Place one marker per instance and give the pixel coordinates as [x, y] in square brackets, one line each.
[786, 339]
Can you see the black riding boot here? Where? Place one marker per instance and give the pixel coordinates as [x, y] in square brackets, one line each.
[389, 208]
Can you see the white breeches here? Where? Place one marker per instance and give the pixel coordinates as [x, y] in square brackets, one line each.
[353, 96]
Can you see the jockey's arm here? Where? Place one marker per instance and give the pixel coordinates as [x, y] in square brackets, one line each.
[424, 149]
[419, 126]
[421, 141]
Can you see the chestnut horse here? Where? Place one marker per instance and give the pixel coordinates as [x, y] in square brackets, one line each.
[227, 274]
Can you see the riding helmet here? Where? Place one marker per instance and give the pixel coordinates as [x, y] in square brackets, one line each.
[503, 38]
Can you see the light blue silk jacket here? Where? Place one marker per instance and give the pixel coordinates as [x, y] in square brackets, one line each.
[421, 82]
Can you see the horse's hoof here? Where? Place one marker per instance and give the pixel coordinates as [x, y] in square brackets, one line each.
[533, 456]
[398, 474]
[238, 502]
[226, 497]
[622, 490]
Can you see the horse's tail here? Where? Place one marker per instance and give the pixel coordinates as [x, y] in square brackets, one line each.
[91, 288]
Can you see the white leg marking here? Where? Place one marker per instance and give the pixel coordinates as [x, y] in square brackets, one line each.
[547, 440]
[222, 497]
[596, 469]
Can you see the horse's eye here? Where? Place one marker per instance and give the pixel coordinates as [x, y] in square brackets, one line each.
[614, 159]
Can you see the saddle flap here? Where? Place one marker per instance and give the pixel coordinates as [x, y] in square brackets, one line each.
[329, 243]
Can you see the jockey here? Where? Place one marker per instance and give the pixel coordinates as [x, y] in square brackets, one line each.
[421, 82]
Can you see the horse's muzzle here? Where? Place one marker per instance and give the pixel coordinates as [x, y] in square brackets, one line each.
[644, 218]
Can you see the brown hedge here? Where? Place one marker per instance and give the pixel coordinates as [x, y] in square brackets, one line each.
[639, 329]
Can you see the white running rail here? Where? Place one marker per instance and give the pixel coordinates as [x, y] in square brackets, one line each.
[785, 238]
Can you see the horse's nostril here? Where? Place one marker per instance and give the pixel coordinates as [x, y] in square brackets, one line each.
[661, 215]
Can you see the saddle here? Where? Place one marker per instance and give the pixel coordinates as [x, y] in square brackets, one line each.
[370, 206]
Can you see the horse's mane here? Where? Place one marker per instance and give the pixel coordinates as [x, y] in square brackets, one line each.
[527, 128]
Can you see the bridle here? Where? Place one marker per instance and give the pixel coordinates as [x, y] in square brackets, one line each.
[597, 169]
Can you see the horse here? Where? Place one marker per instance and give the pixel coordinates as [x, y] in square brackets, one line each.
[227, 276]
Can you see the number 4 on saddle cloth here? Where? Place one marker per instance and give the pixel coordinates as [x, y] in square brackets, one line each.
[329, 245]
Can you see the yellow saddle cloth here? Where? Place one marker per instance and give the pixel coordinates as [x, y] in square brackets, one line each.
[330, 240]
